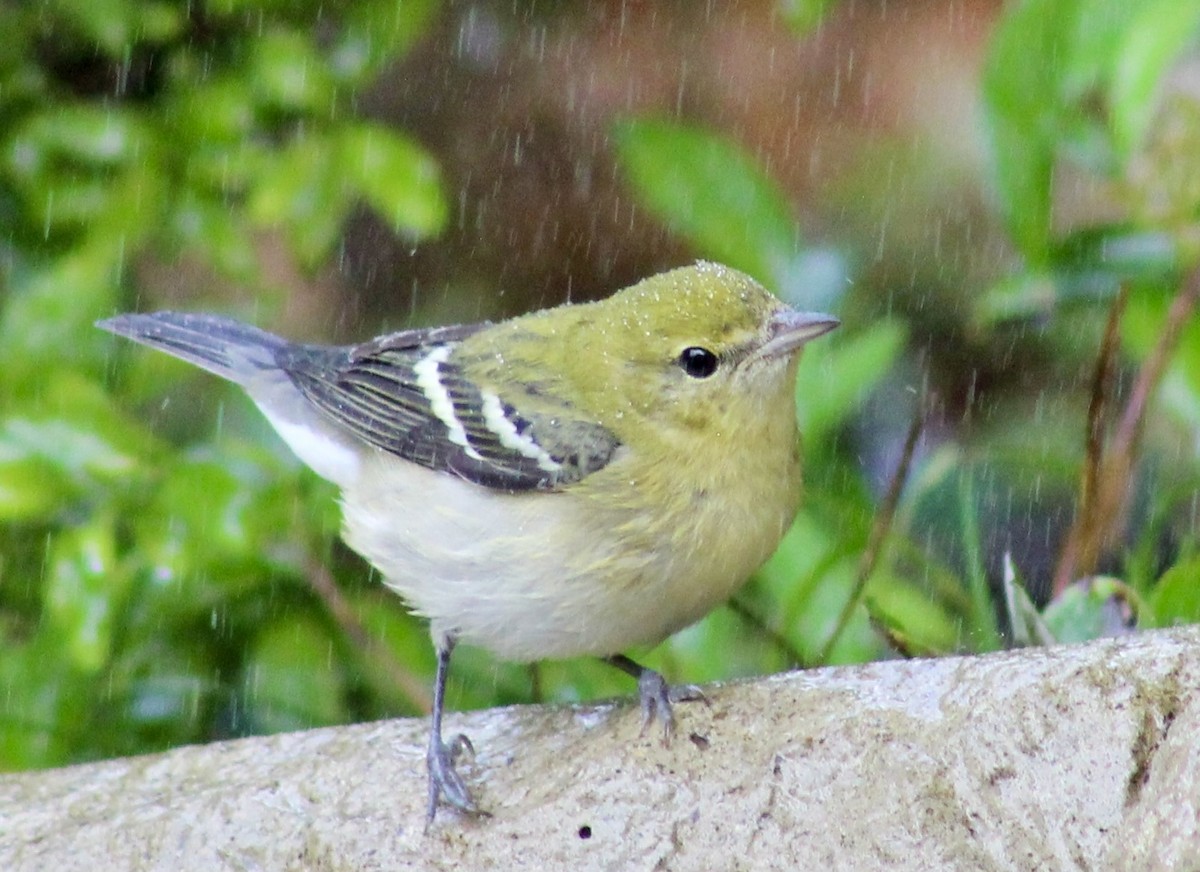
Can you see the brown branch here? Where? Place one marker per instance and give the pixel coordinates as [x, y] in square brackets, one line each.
[1082, 530]
[1103, 514]
[413, 688]
[1102, 380]
[882, 524]
[1129, 432]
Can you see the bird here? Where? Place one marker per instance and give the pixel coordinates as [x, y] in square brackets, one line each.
[578, 480]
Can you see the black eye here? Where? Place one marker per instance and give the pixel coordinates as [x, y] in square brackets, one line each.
[698, 362]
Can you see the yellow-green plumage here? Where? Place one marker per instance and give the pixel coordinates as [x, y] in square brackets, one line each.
[575, 481]
[702, 489]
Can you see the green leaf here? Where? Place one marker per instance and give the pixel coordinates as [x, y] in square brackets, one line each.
[160, 22]
[43, 697]
[198, 521]
[375, 32]
[1176, 597]
[584, 679]
[205, 112]
[40, 319]
[229, 169]
[1093, 608]
[1083, 126]
[1021, 91]
[89, 135]
[909, 610]
[288, 72]
[982, 629]
[53, 302]
[709, 190]
[723, 645]
[809, 578]
[225, 522]
[1094, 43]
[1024, 621]
[398, 179]
[71, 202]
[1047, 62]
[83, 589]
[1129, 251]
[161, 687]
[109, 23]
[898, 636]
[804, 15]
[406, 639]
[292, 679]
[1154, 40]
[480, 680]
[301, 189]
[21, 83]
[254, 9]
[207, 226]
[1141, 329]
[1088, 267]
[71, 448]
[119, 209]
[1022, 295]
[115, 25]
[837, 376]
[31, 488]
[72, 425]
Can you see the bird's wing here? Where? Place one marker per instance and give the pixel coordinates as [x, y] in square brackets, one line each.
[404, 394]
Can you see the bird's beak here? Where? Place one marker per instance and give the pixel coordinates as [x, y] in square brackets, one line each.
[788, 330]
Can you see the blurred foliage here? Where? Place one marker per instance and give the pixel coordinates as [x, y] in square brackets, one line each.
[1077, 83]
[804, 15]
[151, 593]
[161, 584]
[706, 190]
[1098, 92]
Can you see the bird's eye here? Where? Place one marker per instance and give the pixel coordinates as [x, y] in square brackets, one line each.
[698, 362]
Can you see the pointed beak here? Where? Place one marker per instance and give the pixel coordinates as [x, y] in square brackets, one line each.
[789, 329]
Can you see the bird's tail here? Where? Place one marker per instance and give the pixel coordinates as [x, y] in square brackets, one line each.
[224, 347]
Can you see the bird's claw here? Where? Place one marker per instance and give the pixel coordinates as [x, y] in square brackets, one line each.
[445, 784]
[656, 697]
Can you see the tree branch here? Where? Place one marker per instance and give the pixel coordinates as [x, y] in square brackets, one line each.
[1105, 483]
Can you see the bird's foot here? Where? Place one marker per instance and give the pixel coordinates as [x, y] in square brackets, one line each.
[656, 697]
[445, 784]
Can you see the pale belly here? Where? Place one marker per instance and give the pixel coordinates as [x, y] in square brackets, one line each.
[546, 575]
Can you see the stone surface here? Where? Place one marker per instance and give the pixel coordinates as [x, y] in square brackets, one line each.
[1053, 758]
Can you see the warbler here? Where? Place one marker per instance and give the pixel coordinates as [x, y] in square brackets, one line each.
[579, 480]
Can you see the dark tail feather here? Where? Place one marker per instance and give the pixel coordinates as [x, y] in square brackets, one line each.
[222, 346]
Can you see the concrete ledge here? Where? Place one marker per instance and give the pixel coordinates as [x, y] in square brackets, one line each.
[1058, 758]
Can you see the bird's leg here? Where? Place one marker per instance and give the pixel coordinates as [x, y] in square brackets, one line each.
[445, 784]
[655, 694]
